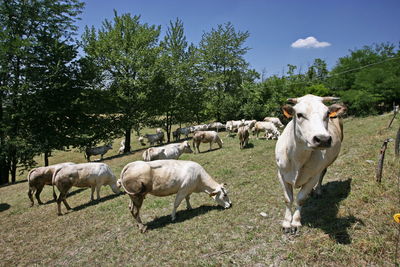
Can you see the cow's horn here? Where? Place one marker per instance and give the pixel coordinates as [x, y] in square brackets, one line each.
[330, 98]
[292, 100]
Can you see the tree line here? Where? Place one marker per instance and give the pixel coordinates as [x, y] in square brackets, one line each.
[59, 90]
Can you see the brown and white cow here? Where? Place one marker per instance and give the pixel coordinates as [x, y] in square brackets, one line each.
[168, 177]
[41, 176]
[243, 134]
[92, 175]
[206, 137]
[308, 145]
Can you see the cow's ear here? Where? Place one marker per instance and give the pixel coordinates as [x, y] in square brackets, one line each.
[213, 194]
[288, 111]
[336, 110]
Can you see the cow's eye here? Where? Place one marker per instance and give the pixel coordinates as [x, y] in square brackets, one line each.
[300, 115]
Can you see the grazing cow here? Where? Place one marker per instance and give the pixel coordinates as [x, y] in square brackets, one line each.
[250, 123]
[154, 138]
[206, 137]
[167, 177]
[201, 127]
[171, 151]
[276, 121]
[100, 150]
[243, 133]
[122, 147]
[216, 126]
[308, 145]
[92, 175]
[177, 134]
[41, 176]
[232, 126]
[267, 127]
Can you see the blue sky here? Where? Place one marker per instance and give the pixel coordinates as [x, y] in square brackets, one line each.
[274, 26]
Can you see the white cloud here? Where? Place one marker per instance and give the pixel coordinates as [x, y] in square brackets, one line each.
[309, 42]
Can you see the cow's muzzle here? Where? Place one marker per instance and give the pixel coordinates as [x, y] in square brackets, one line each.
[322, 141]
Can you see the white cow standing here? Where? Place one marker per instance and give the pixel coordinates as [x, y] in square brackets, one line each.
[308, 145]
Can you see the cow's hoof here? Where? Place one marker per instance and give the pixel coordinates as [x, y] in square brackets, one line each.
[143, 228]
[59, 214]
[286, 230]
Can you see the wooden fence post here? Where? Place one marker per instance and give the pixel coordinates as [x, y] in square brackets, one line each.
[397, 144]
[379, 167]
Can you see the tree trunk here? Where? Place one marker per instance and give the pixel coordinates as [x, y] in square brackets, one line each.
[4, 174]
[13, 168]
[46, 158]
[127, 140]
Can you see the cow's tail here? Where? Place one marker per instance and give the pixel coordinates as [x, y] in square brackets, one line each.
[53, 180]
[31, 189]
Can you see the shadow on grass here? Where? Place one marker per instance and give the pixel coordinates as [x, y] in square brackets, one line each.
[95, 202]
[181, 216]
[68, 195]
[323, 212]
[249, 145]
[4, 206]
[16, 182]
[211, 150]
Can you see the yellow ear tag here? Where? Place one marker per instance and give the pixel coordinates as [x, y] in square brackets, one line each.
[332, 114]
[287, 115]
[396, 217]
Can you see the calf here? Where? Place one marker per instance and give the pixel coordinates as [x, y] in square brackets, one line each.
[243, 133]
[167, 177]
[308, 145]
[41, 176]
[100, 150]
[206, 137]
[92, 175]
[171, 151]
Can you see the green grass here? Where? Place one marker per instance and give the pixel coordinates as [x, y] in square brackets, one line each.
[350, 225]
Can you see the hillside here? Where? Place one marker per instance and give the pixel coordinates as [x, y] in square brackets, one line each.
[351, 224]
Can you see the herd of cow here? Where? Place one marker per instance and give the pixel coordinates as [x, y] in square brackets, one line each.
[309, 143]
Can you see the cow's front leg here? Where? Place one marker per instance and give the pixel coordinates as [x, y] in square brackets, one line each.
[98, 187]
[300, 200]
[288, 195]
[179, 197]
[93, 188]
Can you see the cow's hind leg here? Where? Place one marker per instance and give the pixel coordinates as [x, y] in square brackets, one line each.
[62, 197]
[288, 195]
[188, 206]
[30, 195]
[317, 192]
[134, 207]
[37, 194]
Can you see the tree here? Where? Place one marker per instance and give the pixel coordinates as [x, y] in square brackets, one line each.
[27, 26]
[124, 50]
[223, 68]
[176, 65]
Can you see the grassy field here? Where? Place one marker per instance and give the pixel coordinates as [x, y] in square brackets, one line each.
[351, 224]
